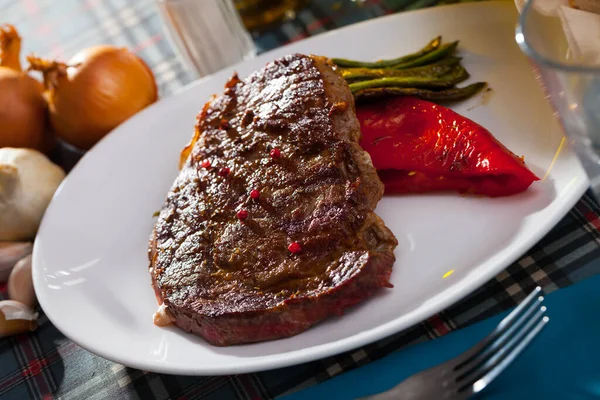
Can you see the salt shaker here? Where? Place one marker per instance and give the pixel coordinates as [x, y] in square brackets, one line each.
[208, 34]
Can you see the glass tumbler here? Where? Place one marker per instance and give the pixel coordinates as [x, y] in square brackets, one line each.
[259, 14]
[208, 34]
[567, 65]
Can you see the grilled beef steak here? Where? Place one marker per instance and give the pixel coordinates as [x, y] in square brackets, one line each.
[269, 227]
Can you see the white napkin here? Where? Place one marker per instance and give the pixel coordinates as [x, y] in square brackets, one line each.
[582, 28]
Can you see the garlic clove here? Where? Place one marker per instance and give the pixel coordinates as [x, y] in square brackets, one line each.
[20, 283]
[16, 318]
[10, 254]
[11, 309]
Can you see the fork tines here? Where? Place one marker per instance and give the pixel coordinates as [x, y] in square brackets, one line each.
[477, 367]
[473, 370]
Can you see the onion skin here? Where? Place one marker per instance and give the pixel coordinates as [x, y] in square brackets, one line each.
[97, 90]
[23, 119]
[22, 111]
[10, 47]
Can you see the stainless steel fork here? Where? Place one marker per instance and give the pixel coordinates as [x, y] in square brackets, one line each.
[470, 372]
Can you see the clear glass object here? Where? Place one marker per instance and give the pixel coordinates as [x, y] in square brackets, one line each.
[259, 14]
[567, 65]
[568, 68]
[208, 34]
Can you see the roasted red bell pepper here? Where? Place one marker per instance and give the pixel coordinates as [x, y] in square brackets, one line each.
[418, 146]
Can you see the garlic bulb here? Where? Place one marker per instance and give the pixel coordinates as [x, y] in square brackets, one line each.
[28, 180]
[16, 318]
[10, 254]
[20, 283]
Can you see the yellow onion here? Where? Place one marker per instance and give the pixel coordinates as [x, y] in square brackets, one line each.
[95, 91]
[22, 106]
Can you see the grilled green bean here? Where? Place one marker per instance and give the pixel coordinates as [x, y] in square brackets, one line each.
[457, 75]
[434, 70]
[453, 94]
[430, 57]
[431, 46]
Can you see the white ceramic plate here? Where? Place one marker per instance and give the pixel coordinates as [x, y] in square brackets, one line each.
[90, 263]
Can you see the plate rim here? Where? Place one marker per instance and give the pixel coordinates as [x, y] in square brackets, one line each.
[348, 343]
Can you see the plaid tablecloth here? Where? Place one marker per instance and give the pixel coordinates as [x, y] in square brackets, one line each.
[46, 365]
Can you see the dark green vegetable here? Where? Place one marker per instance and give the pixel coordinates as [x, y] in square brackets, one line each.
[434, 70]
[432, 73]
[430, 57]
[456, 75]
[431, 46]
[453, 94]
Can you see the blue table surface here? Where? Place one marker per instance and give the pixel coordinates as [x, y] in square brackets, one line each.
[563, 362]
